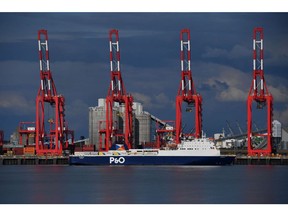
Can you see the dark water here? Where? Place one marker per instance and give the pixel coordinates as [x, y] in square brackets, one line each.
[143, 185]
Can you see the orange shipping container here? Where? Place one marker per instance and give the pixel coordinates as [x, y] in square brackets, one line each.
[29, 150]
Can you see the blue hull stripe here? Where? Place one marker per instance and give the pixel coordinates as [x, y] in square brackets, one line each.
[151, 160]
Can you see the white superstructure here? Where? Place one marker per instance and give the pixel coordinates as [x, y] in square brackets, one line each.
[195, 147]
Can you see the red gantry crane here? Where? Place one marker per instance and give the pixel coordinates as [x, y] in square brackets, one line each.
[1, 137]
[51, 129]
[27, 130]
[259, 93]
[164, 132]
[187, 92]
[117, 93]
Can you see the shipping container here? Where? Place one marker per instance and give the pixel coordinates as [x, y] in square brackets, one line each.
[4, 150]
[77, 149]
[29, 150]
[88, 148]
[18, 151]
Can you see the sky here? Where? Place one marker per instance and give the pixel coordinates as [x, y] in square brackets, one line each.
[221, 63]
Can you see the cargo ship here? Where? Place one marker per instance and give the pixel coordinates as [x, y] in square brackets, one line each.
[200, 151]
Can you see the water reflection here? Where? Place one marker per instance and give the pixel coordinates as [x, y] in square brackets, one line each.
[143, 184]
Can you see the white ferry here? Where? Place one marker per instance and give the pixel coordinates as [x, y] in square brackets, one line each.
[200, 151]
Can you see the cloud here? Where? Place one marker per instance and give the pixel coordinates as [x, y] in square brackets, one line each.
[236, 52]
[279, 93]
[230, 84]
[16, 103]
[142, 98]
[152, 81]
[277, 86]
[275, 50]
[223, 82]
[158, 101]
[232, 94]
[73, 26]
[282, 116]
[162, 99]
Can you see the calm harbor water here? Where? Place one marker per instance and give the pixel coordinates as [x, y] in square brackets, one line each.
[143, 184]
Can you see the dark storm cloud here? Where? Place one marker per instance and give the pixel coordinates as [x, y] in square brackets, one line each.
[221, 49]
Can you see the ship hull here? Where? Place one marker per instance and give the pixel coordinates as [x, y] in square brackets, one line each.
[151, 160]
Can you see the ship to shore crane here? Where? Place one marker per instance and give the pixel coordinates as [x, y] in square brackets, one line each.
[187, 92]
[259, 93]
[117, 93]
[52, 132]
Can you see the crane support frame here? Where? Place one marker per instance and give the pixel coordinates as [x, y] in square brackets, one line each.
[51, 139]
[259, 93]
[117, 93]
[187, 92]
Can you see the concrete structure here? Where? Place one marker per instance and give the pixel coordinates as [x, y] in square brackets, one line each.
[97, 120]
[141, 122]
[284, 140]
[276, 129]
[142, 125]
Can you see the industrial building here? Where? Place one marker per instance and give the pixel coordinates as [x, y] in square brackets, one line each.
[97, 123]
[239, 141]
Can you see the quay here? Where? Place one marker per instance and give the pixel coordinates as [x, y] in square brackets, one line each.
[33, 160]
[261, 160]
[64, 160]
